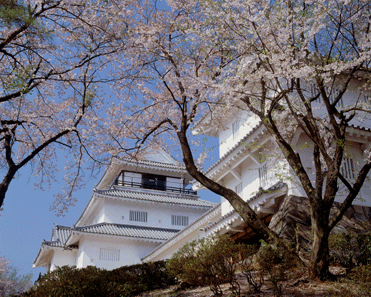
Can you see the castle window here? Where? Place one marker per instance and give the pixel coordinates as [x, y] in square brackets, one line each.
[129, 179]
[347, 168]
[109, 255]
[263, 175]
[152, 182]
[179, 220]
[235, 128]
[238, 189]
[138, 216]
[156, 182]
[366, 98]
[332, 93]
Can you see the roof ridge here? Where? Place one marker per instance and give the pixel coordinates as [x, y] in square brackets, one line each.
[178, 165]
[154, 197]
[127, 225]
[172, 194]
[225, 156]
[61, 227]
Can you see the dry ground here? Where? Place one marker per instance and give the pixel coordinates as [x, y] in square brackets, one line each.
[296, 286]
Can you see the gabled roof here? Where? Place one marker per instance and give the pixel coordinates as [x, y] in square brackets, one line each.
[189, 233]
[59, 237]
[234, 148]
[158, 162]
[158, 156]
[58, 240]
[188, 200]
[127, 231]
[276, 186]
[61, 233]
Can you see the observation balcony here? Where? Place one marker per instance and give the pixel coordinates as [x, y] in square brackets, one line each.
[159, 186]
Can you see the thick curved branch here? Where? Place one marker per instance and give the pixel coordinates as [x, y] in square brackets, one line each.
[351, 196]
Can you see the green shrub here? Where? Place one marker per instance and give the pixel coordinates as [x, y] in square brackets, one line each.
[69, 281]
[361, 276]
[343, 249]
[184, 265]
[364, 246]
[275, 262]
[146, 276]
[125, 281]
[249, 268]
[350, 250]
[207, 262]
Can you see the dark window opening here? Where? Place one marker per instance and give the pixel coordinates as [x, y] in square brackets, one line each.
[157, 182]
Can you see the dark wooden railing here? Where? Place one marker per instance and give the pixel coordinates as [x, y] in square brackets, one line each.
[154, 187]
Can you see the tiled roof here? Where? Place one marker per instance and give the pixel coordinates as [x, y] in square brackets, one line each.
[226, 155]
[60, 233]
[360, 128]
[276, 186]
[128, 230]
[152, 163]
[59, 236]
[251, 132]
[155, 197]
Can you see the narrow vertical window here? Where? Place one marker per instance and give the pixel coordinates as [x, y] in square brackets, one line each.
[109, 255]
[263, 175]
[238, 189]
[332, 93]
[235, 128]
[138, 216]
[347, 168]
[179, 220]
[366, 98]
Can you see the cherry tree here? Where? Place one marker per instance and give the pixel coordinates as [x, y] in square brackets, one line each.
[56, 57]
[12, 284]
[304, 66]
[292, 64]
[169, 70]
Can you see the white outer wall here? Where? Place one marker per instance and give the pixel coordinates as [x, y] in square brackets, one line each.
[249, 174]
[159, 214]
[62, 257]
[249, 170]
[351, 97]
[176, 246]
[174, 182]
[190, 233]
[130, 251]
[352, 150]
[247, 122]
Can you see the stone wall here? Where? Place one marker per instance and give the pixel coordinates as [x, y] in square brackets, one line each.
[292, 221]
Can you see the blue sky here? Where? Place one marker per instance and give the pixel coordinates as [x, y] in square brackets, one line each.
[26, 219]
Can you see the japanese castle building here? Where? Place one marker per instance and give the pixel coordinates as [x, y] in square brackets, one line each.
[141, 211]
[135, 207]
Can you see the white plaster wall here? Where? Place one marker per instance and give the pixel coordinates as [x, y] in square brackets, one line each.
[174, 182]
[280, 170]
[353, 150]
[62, 257]
[159, 214]
[250, 183]
[249, 170]
[353, 95]
[247, 122]
[83, 259]
[250, 179]
[130, 251]
[101, 216]
[166, 254]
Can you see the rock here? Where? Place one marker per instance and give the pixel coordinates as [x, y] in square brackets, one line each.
[292, 221]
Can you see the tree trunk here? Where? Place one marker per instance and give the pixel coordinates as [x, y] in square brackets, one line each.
[319, 258]
[4, 185]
